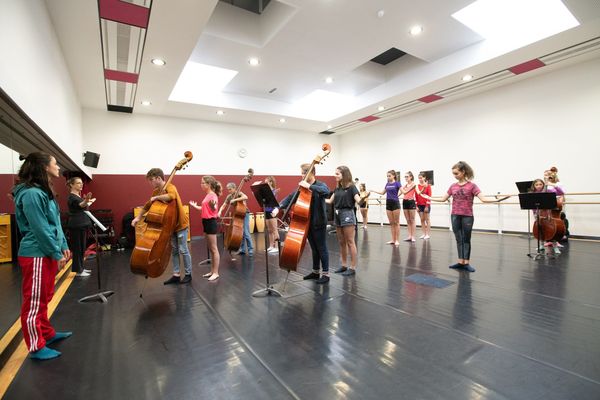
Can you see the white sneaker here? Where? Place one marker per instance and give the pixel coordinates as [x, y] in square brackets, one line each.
[426, 237]
[89, 271]
[83, 274]
[274, 250]
[422, 237]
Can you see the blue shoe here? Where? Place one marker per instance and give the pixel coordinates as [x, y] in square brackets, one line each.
[44, 353]
[59, 336]
[468, 268]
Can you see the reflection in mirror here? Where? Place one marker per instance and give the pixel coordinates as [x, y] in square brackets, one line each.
[10, 273]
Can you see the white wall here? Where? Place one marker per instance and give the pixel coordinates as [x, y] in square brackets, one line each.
[512, 133]
[134, 143]
[34, 74]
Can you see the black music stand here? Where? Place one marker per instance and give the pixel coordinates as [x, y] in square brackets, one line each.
[264, 196]
[524, 186]
[537, 201]
[101, 296]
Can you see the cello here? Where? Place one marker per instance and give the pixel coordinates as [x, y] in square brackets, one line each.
[295, 240]
[234, 232]
[550, 227]
[152, 250]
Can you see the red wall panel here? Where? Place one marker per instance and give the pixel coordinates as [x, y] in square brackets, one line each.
[122, 193]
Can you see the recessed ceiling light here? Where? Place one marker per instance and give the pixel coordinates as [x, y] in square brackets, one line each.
[380, 13]
[416, 30]
[254, 61]
[282, 120]
[329, 79]
[220, 112]
[329, 126]
[467, 78]
[380, 108]
[146, 103]
[158, 61]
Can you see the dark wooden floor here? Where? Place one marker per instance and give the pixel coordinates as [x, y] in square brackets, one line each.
[10, 295]
[515, 329]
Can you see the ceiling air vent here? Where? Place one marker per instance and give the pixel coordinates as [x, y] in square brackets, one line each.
[255, 6]
[388, 56]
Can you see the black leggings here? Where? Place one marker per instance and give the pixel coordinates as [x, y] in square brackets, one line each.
[462, 225]
[317, 238]
[77, 237]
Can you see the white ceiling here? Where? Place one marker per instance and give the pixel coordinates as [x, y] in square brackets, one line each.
[299, 43]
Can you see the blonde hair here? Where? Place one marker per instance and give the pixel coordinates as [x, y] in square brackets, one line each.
[214, 184]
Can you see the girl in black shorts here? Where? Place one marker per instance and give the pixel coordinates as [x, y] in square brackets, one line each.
[344, 199]
[392, 205]
[364, 205]
[409, 206]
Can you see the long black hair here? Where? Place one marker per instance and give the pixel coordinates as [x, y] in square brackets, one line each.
[33, 172]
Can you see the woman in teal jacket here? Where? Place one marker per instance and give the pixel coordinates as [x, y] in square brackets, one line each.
[43, 250]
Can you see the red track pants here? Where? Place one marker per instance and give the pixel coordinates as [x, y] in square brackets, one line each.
[38, 288]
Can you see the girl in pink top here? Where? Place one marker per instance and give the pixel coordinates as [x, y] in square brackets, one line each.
[209, 213]
[424, 205]
[409, 205]
[463, 192]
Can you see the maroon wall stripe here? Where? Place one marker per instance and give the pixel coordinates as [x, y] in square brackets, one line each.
[126, 13]
[122, 193]
[369, 118]
[431, 98]
[527, 66]
[120, 76]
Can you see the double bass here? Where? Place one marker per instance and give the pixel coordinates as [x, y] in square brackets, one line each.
[152, 250]
[298, 228]
[234, 232]
[551, 227]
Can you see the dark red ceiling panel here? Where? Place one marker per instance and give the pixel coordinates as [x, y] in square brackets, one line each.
[431, 98]
[120, 76]
[369, 118]
[126, 13]
[527, 66]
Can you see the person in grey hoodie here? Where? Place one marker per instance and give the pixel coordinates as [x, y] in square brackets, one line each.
[43, 251]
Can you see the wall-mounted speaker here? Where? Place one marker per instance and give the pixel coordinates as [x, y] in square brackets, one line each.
[91, 159]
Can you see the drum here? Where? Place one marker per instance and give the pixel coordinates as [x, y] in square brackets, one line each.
[251, 223]
[260, 222]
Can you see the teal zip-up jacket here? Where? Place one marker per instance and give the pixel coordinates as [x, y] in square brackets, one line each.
[38, 218]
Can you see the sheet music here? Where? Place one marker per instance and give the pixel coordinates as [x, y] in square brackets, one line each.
[95, 221]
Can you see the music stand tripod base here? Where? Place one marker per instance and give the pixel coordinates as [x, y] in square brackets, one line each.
[268, 291]
[101, 297]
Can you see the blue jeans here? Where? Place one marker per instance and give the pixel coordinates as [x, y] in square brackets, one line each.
[462, 225]
[318, 244]
[179, 246]
[246, 246]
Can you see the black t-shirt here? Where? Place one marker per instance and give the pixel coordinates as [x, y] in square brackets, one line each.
[77, 219]
[344, 197]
